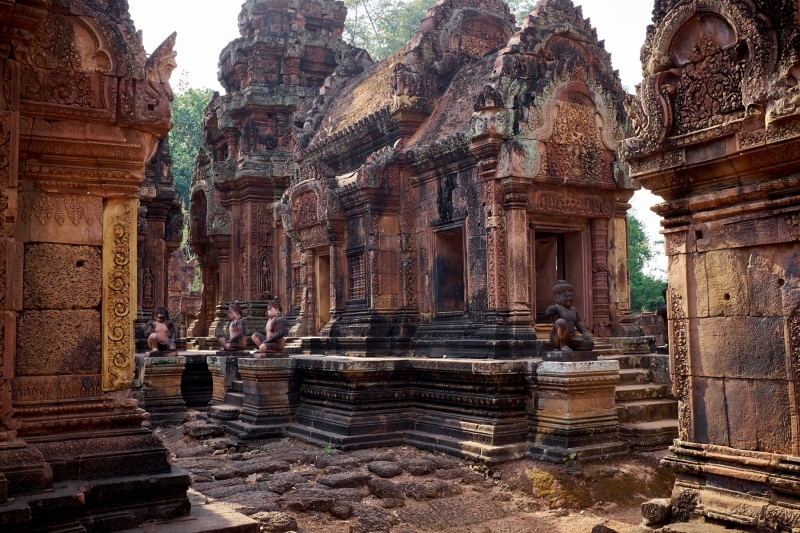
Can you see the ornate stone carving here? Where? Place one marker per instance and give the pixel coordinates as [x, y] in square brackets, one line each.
[306, 213]
[119, 293]
[679, 364]
[709, 89]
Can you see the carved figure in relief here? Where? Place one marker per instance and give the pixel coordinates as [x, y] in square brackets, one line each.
[274, 340]
[148, 282]
[266, 276]
[566, 320]
[161, 332]
[236, 339]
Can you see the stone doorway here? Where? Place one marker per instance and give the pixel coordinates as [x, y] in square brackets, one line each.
[323, 277]
[449, 284]
[560, 255]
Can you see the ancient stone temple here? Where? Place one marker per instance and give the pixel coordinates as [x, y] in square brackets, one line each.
[82, 109]
[425, 204]
[717, 137]
[159, 234]
[413, 217]
[285, 52]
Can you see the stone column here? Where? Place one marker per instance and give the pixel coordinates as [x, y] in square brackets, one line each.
[518, 275]
[602, 310]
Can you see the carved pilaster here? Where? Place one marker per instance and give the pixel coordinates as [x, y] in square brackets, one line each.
[602, 311]
[516, 200]
[119, 292]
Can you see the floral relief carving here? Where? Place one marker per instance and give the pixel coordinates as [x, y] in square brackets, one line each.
[710, 88]
[793, 223]
[53, 46]
[794, 346]
[61, 208]
[679, 367]
[306, 210]
[119, 293]
[575, 150]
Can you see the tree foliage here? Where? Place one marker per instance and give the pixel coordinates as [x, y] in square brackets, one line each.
[186, 136]
[383, 26]
[646, 287]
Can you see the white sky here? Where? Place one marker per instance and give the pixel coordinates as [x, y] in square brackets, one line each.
[205, 26]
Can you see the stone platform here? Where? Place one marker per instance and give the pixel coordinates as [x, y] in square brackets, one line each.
[110, 504]
[479, 409]
[205, 517]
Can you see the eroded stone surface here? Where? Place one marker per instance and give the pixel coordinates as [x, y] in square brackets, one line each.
[60, 276]
[77, 350]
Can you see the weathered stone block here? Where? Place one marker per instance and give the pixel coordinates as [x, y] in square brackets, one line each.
[726, 271]
[738, 347]
[710, 411]
[60, 276]
[656, 511]
[774, 429]
[766, 279]
[697, 285]
[742, 413]
[160, 392]
[75, 346]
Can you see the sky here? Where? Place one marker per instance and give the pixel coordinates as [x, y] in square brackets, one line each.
[205, 27]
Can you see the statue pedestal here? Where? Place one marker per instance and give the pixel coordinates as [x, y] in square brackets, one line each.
[573, 414]
[159, 392]
[226, 396]
[271, 397]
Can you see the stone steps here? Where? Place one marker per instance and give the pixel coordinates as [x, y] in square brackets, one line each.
[627, 362]
[234, 398]
[650, 435]
[641, 391]
[648, 414]
[647, 410]
[631, 376]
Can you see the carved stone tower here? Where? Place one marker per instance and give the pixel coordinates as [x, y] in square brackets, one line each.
[270, 74]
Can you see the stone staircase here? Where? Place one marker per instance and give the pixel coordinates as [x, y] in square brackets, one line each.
[648, 413]
[230, 409]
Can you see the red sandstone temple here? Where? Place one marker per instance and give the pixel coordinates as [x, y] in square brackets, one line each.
[425, 204]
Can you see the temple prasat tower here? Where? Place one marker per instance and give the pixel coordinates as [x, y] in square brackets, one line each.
[717, 136]
[271, 73]
[82, 109]
[425, 204]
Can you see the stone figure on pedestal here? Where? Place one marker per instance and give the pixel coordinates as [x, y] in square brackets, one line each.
[161, 332]
[274, 340]
[236, 339]
[566, 320]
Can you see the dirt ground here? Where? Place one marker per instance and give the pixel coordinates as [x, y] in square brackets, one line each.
[289, 486]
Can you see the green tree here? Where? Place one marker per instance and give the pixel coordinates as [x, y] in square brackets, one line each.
[646, 288]
[383, 26]
[186, 136]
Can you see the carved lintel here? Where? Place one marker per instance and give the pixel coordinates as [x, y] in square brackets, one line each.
[119, 292]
